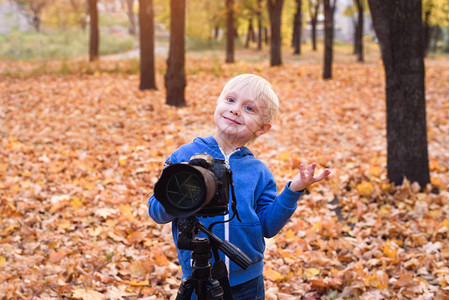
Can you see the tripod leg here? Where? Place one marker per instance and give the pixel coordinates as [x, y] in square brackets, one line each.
[185, 289]
[214, 289]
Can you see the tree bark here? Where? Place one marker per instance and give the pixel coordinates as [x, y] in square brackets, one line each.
[250, 35]
[146, 36]
[230, 31]
[175, 78]
[259, 25]
[398, 26]
[358, 41]
[329, 9]
[314, 7]
[132, 19]
[427, 29]
[275, 12]
[94, 32]
[297, 28]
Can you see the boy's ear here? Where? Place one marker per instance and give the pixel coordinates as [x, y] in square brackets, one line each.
[264, 129]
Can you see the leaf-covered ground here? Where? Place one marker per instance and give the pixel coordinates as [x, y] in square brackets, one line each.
[79, 156]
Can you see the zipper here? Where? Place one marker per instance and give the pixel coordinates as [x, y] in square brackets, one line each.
[226, 217]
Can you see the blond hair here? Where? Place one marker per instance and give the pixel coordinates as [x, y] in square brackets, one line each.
[259, 89]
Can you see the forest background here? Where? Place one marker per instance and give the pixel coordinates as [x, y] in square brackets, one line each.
[82, 147]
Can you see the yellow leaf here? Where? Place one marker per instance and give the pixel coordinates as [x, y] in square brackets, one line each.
[86, 294]
[435, 213]
[125, 210]
[77, 203]
[2, 260]
[122, 160]
[137, 283]
[89, 185]
[64, 224]
[95, 231]
[446, 224]
[311, 272]
[374, 171]
[26, 174]
[272, 275]
[365, 188]
[290, 235]
[386, 187]
[377, 282]
[136, 269]
[389, 251]
[285, 156]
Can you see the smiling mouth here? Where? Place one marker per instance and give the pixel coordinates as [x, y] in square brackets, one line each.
[232, 121]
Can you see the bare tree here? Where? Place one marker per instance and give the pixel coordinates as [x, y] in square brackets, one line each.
[329, 9]
[250, 35]
[146, 36]
[275, 12]
[259, 24]
[314, 7]
[358, 36]
[94, 39]
[131, 16]
[32, 10]
[229, 31]
[81, 7]
[175, 78]
[398, 26]
[297, 28]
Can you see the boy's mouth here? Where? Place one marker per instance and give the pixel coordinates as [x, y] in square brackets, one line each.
[232, 121]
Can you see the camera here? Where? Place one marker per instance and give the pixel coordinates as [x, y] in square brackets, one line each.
[197, 188]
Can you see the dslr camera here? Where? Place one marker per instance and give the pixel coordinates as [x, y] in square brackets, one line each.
[197, 188]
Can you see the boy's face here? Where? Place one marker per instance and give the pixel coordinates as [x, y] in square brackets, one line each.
[240, 118]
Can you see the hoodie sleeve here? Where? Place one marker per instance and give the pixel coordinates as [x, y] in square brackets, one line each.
[275, 211]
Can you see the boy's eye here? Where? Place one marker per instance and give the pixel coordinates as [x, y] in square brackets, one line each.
[249, 108]
[229, 99]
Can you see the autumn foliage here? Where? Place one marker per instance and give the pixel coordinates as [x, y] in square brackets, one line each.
[80, 154]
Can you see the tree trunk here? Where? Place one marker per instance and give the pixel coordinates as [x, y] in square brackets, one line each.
[259, 24]
[313, 11]
[398, 26]
[358, 42]
[275, 12]
[250, 35]
[297, 28]
[265, 34]
[426, 31]
[216, 32]
[329, 9]
[229, 31]
[94, 32]
[146, 36]
[175, 78]
[131, 17]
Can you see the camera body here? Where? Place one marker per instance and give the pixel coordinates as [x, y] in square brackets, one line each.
[197, 188]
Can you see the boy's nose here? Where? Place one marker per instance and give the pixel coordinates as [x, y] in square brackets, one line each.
[235, 111]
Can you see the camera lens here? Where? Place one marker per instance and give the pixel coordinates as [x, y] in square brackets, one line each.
[185, 190]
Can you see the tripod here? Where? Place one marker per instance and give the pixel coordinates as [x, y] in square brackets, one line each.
[207, 284]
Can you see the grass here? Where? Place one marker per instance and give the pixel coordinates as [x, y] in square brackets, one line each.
[59, 45]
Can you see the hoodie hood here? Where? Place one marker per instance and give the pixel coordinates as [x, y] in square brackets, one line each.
[212, 144]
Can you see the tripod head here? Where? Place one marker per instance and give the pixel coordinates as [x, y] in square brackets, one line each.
[189, 227]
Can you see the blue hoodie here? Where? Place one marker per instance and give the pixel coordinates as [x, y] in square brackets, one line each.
[263, 214]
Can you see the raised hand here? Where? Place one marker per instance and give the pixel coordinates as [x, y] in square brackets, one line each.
[306, 177]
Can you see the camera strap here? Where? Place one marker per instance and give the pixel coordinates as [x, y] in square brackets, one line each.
[234, 198]
[220, 273]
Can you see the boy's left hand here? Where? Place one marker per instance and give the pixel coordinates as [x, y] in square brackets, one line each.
[306, 177]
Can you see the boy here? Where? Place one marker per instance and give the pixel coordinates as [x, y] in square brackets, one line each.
[245, 110]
